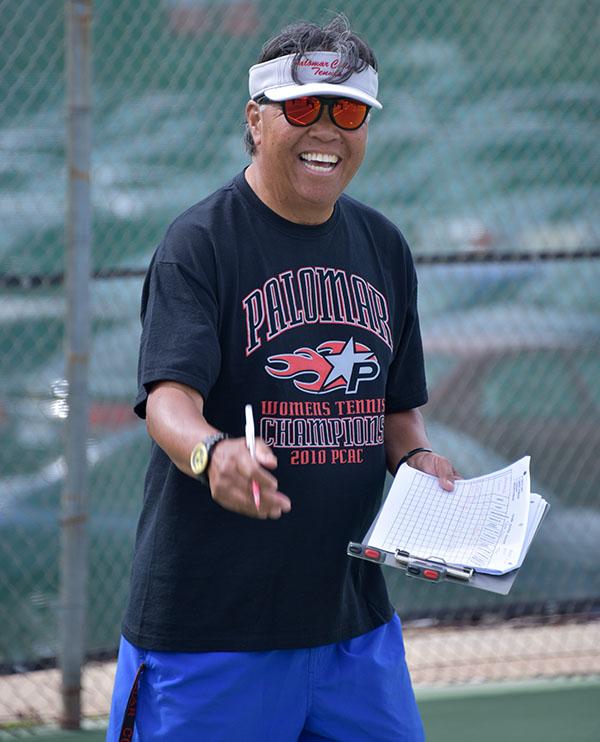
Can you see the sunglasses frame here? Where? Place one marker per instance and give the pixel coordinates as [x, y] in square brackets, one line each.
[325, 102]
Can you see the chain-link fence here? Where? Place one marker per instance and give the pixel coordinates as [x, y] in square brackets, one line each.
[487, 146]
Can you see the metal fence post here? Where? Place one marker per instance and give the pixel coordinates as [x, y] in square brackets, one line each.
[74, 568]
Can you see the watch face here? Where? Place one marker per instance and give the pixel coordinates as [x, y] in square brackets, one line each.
[199, 458]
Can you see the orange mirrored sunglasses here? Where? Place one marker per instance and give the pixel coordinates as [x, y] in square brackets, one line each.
[344, 112]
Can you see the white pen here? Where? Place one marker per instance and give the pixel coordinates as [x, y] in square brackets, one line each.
[251, 445]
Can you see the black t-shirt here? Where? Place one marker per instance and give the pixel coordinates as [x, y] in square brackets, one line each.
[316, 327]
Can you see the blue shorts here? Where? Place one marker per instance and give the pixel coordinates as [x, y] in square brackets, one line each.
[352, 691]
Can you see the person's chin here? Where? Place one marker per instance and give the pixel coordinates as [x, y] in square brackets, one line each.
[320, 187]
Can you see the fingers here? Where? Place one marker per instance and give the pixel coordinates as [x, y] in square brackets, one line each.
[273, 507]
[272, 503]
[446, 481]
[264, 455]
[439, 466]
[231, 473]
[445, 473]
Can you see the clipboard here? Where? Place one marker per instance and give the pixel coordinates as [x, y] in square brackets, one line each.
[435, 570]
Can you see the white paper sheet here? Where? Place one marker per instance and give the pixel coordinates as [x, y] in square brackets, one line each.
[482, 523]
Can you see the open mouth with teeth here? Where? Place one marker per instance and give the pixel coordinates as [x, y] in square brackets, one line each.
[318, 162]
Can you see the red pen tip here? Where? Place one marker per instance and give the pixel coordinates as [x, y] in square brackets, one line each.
[256, 493]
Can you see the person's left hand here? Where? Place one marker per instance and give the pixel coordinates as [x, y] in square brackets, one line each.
[439, 466]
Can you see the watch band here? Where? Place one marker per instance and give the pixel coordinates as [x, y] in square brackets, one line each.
[407, 456]
[202, 454]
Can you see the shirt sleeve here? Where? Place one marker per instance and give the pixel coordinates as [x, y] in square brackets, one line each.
[406, 385]
[179, 339]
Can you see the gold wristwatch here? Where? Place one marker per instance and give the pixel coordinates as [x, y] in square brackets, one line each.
[201, 455]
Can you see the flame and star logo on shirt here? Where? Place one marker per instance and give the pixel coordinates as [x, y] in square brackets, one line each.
[332, 366]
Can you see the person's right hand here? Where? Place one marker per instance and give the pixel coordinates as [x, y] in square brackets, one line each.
[230, 476]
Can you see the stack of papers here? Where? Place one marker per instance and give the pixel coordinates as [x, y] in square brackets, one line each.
[486, 523]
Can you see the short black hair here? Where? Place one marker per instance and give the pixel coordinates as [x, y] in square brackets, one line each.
[303, 37]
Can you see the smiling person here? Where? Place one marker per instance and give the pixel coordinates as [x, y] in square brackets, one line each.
[246, 620]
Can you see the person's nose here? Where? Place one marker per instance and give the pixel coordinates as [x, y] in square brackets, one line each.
[324, 129]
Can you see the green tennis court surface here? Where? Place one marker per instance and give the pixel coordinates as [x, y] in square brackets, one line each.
[540, 712]
[549, 711]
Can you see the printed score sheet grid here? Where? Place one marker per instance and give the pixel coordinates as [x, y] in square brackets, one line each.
[481, 523]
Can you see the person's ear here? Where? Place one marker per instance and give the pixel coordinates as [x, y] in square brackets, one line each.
[254, 120]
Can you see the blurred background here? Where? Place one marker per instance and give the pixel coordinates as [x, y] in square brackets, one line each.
[487, 156]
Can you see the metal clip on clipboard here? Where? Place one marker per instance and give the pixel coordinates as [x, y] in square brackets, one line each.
[431, 569]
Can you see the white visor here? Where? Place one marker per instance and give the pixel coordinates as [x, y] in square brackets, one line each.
[316, 72]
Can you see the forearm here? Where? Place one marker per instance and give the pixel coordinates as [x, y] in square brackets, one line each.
[175, 420]
[404, 431]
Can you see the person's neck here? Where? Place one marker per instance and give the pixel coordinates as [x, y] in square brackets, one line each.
[309, 214]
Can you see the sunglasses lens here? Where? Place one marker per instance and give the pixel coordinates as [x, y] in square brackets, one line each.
[302, 111]
[349, 114]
